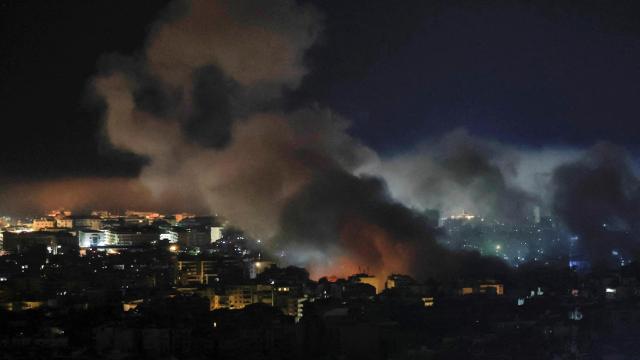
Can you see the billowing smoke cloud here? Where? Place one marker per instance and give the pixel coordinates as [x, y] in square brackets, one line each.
[202, 104]
[253, 42]
[460, 172]
[341, 223]
[598, 198]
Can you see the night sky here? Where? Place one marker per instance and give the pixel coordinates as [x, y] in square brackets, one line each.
[528, 73]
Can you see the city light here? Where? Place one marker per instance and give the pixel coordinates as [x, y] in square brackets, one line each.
[327, 179]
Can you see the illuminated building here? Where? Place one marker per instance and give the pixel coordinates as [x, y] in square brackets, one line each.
[64, 222]
[193, 236]
[427, 301]
[59, 213]
[516, 242]
[21, 305]
[141, 214]
[256, 267]
[187, 237]
[19, 228]
[131, 304]
[197, 221]
[43, 223]
[86, 222]
[300, 308]
[467, 290]
[216, 233]
[91, 238]
[134, 221]
[288, 304]
[239, 296]
[397, 280]
[182, 216]
[103, 214]
[196, 272]
[174, 235]
[492, 288]
[464, 216]
[367, 279]
[486, 287]
[243, 295]
[131, 236]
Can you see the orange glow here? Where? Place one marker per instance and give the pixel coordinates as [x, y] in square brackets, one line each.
[83, 194]
[368, 248]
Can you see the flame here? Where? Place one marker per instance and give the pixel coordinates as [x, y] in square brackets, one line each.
[368, 249]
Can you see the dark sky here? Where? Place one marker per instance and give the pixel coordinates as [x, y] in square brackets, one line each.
[531, 73]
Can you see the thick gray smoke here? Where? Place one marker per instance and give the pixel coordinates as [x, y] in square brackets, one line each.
[460, 172]
[339, 223]
[202, 104]
[342, 223]
[195, 105]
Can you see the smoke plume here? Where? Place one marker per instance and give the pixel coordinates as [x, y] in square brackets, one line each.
[341, 223]
[203, 105]
[460, 172]
[598, 198]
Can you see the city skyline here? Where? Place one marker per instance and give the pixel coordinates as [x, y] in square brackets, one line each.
[212, 125]
[319, 179]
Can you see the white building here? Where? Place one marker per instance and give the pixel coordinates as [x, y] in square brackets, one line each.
[91, 238]
[216, 233]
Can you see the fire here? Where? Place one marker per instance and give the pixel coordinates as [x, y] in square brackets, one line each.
[368, 249]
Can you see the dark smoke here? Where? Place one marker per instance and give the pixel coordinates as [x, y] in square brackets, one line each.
[469, 163]
[341, 224]
[598, 198]
[211, 116]
[202, 105]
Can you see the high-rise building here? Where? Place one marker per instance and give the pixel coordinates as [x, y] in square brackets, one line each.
[196, 271]
[131, 236]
